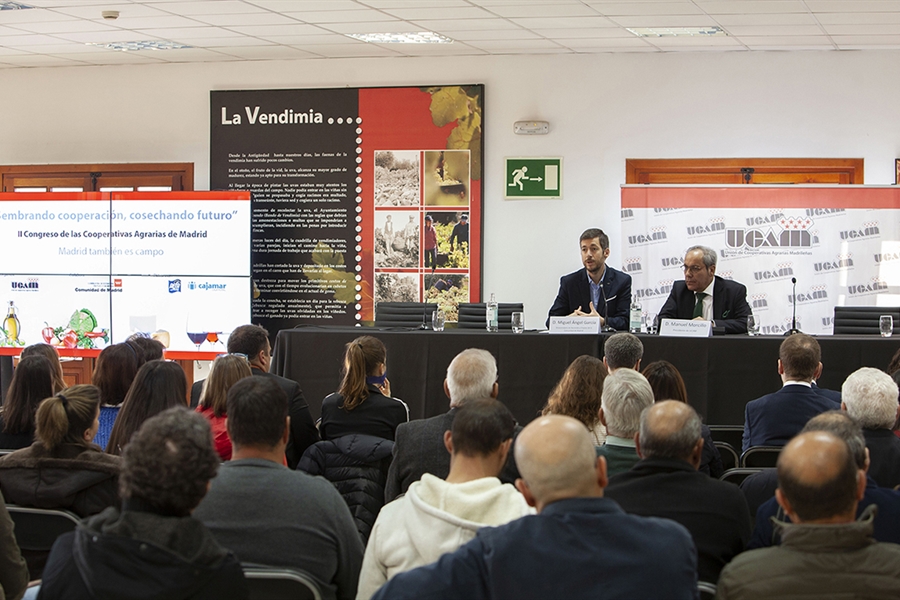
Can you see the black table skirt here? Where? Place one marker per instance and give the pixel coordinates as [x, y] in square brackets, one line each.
[722, 374]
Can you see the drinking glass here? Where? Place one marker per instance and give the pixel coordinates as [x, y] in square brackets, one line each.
[752, 325]
[518, 322]
[437, 320]
[886, 325]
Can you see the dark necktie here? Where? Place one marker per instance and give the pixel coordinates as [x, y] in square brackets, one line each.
[698, 307]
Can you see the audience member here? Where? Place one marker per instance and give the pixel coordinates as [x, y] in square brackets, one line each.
[113, 374]
[578, 394]
[146, 348]
[825, 552]
[363, 404]
[13, 570]
[666, 382]
[419, 445]
[437, 516]
[870, 397]
[158, 385]
[579, 545]
[887, 520]
[667, 484]
[152, 547]
[775, 418]
[32, 381]
[626, 394]
[623, 351]
[225, 372]
[253, 342]
[50, 353]
[300, 521]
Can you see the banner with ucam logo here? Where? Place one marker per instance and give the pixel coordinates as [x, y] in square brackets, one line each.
[841, 243]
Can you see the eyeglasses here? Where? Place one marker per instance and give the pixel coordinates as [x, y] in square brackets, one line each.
[238, 354]
[693, 268]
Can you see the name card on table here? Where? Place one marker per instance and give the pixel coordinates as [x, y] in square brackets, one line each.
[575, 325]
[684, 328]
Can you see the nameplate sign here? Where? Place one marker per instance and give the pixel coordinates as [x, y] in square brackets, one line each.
[684, 328]
[575, 325]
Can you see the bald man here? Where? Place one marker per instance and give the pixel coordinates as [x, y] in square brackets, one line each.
[666, 483]
[579, 545]
[824, 552]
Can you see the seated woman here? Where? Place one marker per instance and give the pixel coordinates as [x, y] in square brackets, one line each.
[225, 372]
[578, 393]
[363, 404]
[50, 353]
[158, 385]
[32, 381]
[668, 384]
[113, 374]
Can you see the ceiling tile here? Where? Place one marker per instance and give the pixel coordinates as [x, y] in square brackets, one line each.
[724, 7]
[38, 60]
[192, 33]
[664, 21]
[264, 30]
[543, 9]
[508, 45]
[623, 9]
[467, 25]
[584, 44]
[691, 40]
[765, 19]
[307, 40]
[35, 39]
[220, 43]
[866, 40]
[73, 26]
[564, 22]
[341, 16]
[873, 29]
[8, 17]
[442, 12]
[387, 27]
[565, 35]
[787, 40]
[439, 50]
[506, 34]
[260, 18]
[130, 10]
[208, 7]
[779, 30]
[359, 49]
[288, 6]
[857, 18]
[852, 6]
[403, 4]
[106, 37]
[266, 52]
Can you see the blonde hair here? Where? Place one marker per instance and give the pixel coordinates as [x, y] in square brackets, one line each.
[226, 371]
[362, 357]
[65, 417]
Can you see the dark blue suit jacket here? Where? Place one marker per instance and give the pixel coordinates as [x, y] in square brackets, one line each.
[574, 292]
[830, 394]
[775, 418]
[730, 308]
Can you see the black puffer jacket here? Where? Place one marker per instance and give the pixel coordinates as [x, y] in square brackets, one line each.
[357, 465]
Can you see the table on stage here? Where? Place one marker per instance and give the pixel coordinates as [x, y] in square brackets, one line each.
[721, 373]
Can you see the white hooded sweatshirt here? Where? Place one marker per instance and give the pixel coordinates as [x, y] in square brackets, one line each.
[433, 518]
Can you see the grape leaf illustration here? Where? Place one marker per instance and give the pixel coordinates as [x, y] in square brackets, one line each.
[330, 273]
[448, 104]
[463, 105]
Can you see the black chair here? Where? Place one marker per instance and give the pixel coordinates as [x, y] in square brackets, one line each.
[707, 590]
[733, 435]
[472, 314]
[279, 583]
[730, 459]
[404, 314]
[863, 320]
[36, 530]
[760, 457]
[736, 476]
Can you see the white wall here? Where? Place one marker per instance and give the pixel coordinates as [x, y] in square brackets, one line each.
[602, 109]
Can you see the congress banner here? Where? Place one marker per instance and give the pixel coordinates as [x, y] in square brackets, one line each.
[841, 244]
[360, 195]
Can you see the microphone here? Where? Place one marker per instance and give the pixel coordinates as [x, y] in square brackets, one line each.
[606, 325]
[793, 328]
[424, 326]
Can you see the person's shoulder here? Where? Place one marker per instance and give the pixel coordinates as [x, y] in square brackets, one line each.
[730, 284]
[573, 276]
[618, 275]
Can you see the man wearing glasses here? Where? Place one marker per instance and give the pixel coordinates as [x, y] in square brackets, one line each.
[703, 295]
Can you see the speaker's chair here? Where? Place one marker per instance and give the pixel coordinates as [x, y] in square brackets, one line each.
[863, 320]
[404, 314]
[472, 315]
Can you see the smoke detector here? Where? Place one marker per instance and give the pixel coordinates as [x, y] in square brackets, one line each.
[110, 15]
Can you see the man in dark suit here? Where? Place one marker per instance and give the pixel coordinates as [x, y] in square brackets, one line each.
[667, 484]
[597, 289]
[419, 445]
[870, 397]
[704, 295]
[253, 342]
[775, 418]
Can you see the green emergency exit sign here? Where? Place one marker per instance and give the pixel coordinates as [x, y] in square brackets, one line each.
[533, 178]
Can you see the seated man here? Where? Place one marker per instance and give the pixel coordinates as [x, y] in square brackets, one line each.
[887, 521]
[626, 394]
[253, 342]
[597, 289]
[870, 397]
[270, 515]
[579, 545]
[667, 484]
[152, 547]
[704, 295]
[419, 445]
[825, 552]
[775, 418]
[437, 516]
[623, 351]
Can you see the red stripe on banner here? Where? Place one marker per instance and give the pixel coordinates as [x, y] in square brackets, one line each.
[756, 196]
[58, 196]
[179, 196]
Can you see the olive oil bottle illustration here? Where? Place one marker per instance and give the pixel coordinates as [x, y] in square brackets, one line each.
[11, 324]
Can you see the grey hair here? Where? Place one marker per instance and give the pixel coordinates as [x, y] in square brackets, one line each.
[471, 376]
[669, 442]
[710, 258]
[622, 351]
[626, 393]
[870, 396]
[843, 426]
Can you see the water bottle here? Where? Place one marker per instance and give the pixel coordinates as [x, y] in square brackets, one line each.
[492, 315]
[634, 322]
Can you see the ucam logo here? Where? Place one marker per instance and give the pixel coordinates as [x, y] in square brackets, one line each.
[781, 271]
[774, 217]
[843, 262]
[29, 285]
[672, 262]
[876, 286]
[887, 257]
[869, 230]
[632, 265]
[661, 290]
[778, 328]
[817, 293]
[715, 225]
[824, 212]
[655, 235]
[828, 321]
[174, 286]
[759, 301]
[627, 213]
[795, 233]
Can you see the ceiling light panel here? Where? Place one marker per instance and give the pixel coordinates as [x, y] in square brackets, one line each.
[420, 37]
[657, 32]
[141, 45]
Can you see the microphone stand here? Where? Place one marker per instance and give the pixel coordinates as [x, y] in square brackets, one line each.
[606, 326]
[793, 328]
